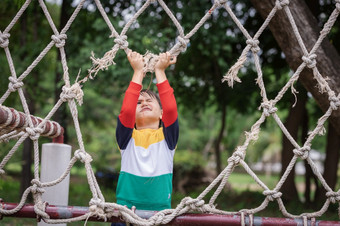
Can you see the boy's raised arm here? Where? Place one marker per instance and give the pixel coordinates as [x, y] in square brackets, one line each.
[128, 110]
[127, 116]
[166, 94]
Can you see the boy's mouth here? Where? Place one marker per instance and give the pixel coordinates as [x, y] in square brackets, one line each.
[146, 109]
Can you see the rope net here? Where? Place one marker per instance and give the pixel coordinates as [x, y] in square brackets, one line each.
[72, 93]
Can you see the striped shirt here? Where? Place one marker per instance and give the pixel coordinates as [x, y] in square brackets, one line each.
[145, 179]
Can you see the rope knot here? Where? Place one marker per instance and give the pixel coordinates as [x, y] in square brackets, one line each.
[334, 197]
[272, 194]
[183, 43]
[14, 84]
[150, 60]
[39, 209]
[334, 101]
[4, 39]
[73, 92]
[59, 40]
[194, 203]
[97, 208]
[220, 2]
[158, 218]
[97, 202]
[34, 133]
[37, 189]
[122, 41]
[36, 182]
[310, 60]
[236, 157]
[254, 43]
[268, 108]
[281, 3]
[83, 156]
[302, 152]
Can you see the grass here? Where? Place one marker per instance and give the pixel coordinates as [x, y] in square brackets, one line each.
[243, 193]
[241, 182]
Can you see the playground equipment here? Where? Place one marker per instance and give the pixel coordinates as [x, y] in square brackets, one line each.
[98, 208]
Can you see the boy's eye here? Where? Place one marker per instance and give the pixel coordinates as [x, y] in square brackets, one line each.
[138, 102]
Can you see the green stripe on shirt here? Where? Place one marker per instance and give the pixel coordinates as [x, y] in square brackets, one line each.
[145, 193]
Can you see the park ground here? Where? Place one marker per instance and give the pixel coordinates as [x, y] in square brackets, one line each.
[241, 192]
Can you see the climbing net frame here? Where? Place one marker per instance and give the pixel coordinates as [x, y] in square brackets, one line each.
[72, 93]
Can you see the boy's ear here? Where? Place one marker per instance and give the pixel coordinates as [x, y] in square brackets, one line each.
[160, 117]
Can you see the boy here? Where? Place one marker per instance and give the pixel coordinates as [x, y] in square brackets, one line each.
[147, 150]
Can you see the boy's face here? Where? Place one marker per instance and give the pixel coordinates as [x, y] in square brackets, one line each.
[148, 109]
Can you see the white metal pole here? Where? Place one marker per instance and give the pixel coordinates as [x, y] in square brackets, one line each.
[55, 158]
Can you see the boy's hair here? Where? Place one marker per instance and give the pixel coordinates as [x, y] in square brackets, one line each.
[152, 94]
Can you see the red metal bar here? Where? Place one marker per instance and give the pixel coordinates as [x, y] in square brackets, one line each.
[64, 212]
[4, 115]
[59, 139]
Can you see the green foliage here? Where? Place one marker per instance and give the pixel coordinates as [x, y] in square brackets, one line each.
[19, 3]
[196, 129]
[268, 146]
[196, 79]
[188, 159]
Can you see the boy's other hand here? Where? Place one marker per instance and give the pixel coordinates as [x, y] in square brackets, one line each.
[136, 61]
[165, 59]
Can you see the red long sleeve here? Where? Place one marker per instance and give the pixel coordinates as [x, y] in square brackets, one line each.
[166, 94]
[127, 114]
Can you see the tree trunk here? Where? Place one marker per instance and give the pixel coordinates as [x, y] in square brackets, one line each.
[292, 124]
[207, 148]
[331, 163]
[309, 175]
[30, 95]
[309, 172]
[314, 7]
[60, 115]
[219, 140]
[327, 57]
[26, 174]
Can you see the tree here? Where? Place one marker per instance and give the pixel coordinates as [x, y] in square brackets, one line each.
[198, 72]
[326, 60]
[331, 163]
[32, 39]
[60, 116]
[28, 144]
[200, 69]
[293, 123]
[309, 30]
[27, 40]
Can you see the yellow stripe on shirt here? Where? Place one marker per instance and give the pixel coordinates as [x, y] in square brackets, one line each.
[144, 138]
